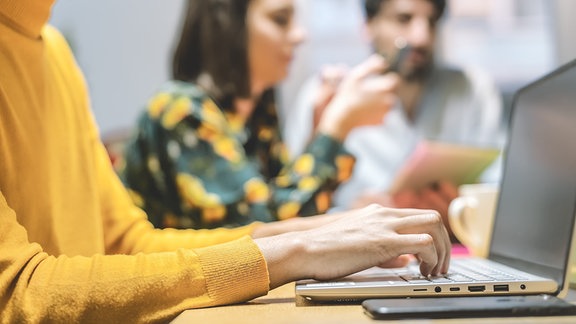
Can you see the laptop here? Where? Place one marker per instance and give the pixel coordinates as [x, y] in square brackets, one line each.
[533, 232]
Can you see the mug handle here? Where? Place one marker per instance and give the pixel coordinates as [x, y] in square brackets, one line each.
[457, 211]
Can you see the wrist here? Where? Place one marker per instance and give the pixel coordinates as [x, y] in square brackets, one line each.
[285, 256]
[334, 124]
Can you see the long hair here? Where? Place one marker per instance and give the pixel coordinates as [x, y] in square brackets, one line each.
[212, 52]
[212, 49]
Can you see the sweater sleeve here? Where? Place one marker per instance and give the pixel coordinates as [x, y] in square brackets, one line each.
[126, 228]
[305, 185]
[141, 288]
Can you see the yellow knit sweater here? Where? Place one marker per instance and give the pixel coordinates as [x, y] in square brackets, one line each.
[73, 247]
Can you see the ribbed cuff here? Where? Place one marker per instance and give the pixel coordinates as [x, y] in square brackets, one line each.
[235, 271]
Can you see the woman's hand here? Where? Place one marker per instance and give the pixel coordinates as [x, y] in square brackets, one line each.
[367, 237]
[330, 78]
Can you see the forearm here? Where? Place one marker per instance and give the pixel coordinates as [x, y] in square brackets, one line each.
[134, 234]
[128, 231]
[143, 288]
[334, 122]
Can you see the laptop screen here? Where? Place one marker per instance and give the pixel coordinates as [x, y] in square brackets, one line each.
[538, 192]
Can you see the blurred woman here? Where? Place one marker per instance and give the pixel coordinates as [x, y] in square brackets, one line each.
[207, 150]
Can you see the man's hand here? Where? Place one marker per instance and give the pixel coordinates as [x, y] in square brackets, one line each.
[363, 238]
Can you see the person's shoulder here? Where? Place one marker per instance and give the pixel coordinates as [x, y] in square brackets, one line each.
[448, 74]
[178, 101]
[50, 32]
[55, 43]
[177, 88]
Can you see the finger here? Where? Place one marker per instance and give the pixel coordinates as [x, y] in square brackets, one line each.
[333, 74]
[374, 64]
[432, 225]
[422, 246]
[383, 84]
[438, 202]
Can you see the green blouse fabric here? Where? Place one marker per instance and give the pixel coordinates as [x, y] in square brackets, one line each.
[193, 164]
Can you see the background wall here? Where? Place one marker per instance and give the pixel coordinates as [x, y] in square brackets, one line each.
[124, 46]
[124, 49]
[565, 26]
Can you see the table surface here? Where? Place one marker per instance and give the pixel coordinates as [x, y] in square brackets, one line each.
[279, 307]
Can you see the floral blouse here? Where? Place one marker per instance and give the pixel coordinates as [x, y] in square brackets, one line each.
[193, 164]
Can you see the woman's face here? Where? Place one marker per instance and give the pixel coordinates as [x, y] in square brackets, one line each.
[273, 35]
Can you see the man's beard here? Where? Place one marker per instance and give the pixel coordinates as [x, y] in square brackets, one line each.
[417, 74]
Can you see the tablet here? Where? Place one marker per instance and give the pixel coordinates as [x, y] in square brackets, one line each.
[438, 161]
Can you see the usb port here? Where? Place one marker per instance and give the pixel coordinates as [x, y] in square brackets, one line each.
[501, 288]
[476, 288]
[454, 288]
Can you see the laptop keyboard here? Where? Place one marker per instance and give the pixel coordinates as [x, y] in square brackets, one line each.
[468, 271]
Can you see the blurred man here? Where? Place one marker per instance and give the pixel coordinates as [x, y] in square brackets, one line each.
[435, 102]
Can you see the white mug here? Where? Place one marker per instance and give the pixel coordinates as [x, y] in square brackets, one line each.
[471, 216]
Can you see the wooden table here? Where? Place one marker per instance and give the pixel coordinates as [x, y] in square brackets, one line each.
[279, 307]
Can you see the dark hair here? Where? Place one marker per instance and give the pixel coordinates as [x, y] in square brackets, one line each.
[372, 7]
[212, 49]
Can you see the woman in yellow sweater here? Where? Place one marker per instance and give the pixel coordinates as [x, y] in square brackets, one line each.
[73, 246]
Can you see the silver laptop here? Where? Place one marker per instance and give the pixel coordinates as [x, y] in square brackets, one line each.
[534, 223]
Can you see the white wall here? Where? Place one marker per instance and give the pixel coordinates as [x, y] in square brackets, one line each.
[565, 29]
[123, 47]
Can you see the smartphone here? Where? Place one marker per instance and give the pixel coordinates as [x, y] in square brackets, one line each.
[463, 307]
[397, 60]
